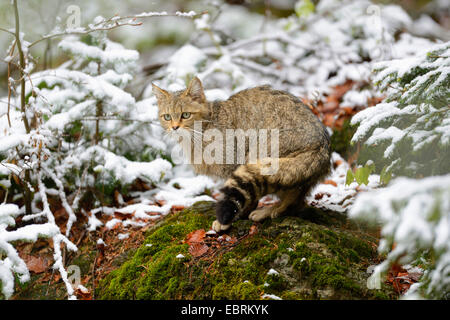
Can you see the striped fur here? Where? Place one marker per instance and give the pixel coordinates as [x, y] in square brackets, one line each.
[304, 146]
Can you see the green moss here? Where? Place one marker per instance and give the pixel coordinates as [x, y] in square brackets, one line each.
[313, 261]
[242, 291]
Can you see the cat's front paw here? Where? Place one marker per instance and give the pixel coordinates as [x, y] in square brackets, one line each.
[217, 226]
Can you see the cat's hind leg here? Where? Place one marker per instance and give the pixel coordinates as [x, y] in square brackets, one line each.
[295, 177]
[287, 197]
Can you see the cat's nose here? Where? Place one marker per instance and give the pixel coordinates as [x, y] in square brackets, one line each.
[175, 127]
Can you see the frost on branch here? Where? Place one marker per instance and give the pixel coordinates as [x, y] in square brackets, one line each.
[416, 228]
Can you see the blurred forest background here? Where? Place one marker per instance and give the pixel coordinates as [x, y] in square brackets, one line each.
[156, 39]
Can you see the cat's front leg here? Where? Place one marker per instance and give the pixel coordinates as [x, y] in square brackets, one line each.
[227, 208]
[217, 226]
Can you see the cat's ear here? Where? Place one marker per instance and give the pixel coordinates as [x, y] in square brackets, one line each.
[160, 93]
[195, 90]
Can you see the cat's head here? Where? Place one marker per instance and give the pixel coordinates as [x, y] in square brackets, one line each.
[180, 109]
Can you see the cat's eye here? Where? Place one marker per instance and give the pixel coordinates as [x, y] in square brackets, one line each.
[167, 117]
[185, 115]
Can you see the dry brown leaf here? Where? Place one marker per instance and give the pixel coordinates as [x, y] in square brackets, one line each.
[337, 163]
[195, 236]
[122, 216]
[83, 295]
[253, 230]
[36, 264]
[160, 202]
[330, 182]
[198, 249]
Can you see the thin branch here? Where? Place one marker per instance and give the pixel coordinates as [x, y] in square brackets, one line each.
[7, 31]
[115, 22]
[112, 118]
[9, 84]
[22, 65]
[283, 38]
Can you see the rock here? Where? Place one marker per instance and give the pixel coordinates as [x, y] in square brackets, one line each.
[318, 255]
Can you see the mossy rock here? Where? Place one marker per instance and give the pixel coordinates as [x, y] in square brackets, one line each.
[324, 259]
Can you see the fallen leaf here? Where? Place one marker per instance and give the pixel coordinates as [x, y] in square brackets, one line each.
[160, 202]
[153, 213]
[121, 216]
[328, 120]
[36, 264]
[348, 111]
[83, 295]
[227, 238]
[320, 195]
[195, 236]
[60, 213]
[330, 182]
[253, 230]
[198, 249]
[337, 163]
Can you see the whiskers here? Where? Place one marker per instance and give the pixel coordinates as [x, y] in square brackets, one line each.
[197, 136]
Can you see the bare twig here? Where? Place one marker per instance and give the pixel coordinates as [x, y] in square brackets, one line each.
[22, 65]
[113, 23]
[7, 31]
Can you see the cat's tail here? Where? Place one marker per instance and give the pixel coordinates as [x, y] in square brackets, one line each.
[241, 193]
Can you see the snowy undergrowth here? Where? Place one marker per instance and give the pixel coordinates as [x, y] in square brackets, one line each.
[81, 135]
[415, 215]
[409, 133]
[334, 194]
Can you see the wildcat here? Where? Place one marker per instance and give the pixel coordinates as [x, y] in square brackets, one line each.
[303, 146]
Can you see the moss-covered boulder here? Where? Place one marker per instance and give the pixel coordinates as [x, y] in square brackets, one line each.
[314, 255]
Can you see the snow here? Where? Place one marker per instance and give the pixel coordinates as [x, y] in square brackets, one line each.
[415, 215]
[112, 223]
[371, 117]
[93, 222]
[270, 296]
[125, 170]
[8, 212]
[12, 141]
[380, 134]
[273, 272]
[356, 98]
[338, 198]
[111, 54]
[184, 62]
[123, 236]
